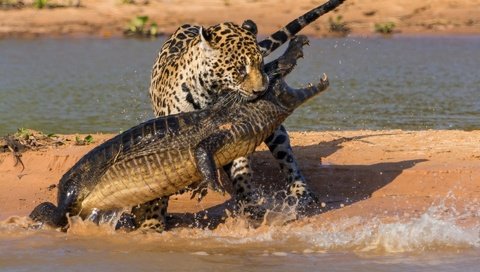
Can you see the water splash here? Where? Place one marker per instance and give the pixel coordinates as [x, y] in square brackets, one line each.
[440, 227]
[433, 230]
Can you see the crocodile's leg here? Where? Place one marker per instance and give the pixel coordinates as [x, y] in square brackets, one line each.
[206, 163]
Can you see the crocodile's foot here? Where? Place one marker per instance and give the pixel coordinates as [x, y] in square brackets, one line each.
[201, 189]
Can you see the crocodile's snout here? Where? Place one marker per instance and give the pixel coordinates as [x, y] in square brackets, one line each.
[292, 98]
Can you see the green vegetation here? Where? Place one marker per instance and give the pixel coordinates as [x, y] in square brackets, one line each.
[139, 27]
[40, 4]
[134, 2]
[339, 26]
[31, 139]
[385, 28]
[85, 141]
[34, 135]
[23, 133]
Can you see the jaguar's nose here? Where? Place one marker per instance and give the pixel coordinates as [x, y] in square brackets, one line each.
[265, 81]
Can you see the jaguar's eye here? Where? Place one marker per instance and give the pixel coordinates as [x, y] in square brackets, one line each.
[242, 71]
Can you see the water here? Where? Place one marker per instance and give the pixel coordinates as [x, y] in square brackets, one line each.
[95, 85]
[432, 242]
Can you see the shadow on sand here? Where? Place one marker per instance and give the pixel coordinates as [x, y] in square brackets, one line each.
[335, 185]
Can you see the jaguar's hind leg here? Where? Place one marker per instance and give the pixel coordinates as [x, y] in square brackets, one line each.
[151, 216]
[246, 200]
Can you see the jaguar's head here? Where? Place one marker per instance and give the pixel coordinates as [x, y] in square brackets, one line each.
[234, 60]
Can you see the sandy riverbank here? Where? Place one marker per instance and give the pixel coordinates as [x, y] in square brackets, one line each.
[394, 174]
[109, 18]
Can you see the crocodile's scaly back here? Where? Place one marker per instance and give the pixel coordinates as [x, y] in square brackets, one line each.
[278, 38]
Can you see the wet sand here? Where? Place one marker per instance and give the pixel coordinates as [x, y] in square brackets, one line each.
[109, 18]
[389, 175]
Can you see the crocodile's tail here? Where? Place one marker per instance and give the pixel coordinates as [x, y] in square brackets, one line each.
[48, 213]
[290, 98]
[278, 38]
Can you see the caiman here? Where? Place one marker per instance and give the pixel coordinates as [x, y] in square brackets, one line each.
[165, 155]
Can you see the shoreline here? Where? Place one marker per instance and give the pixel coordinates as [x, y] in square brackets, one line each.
[386, 173]
[79, 36]
[108, 19]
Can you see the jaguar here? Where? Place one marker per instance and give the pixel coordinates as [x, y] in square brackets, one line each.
[195, 66]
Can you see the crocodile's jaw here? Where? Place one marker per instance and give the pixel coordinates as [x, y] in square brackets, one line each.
[290, 99]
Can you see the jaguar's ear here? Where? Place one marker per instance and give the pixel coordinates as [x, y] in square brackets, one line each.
[206, 37]
[251, 26]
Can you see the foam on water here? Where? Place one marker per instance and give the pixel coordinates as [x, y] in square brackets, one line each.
[428, 232]
[440, 227]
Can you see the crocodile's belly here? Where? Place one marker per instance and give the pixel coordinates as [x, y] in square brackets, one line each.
[142, 179]
[241, 147]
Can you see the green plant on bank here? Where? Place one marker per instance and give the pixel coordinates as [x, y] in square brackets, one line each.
[85, 141]
[31, 139]
[23, 133]
[385, 28]
[52, 135]
[40, 4]
[139, 27]
[337, 25]
[134, 2]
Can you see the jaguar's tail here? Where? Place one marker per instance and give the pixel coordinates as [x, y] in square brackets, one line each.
[278, 38]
